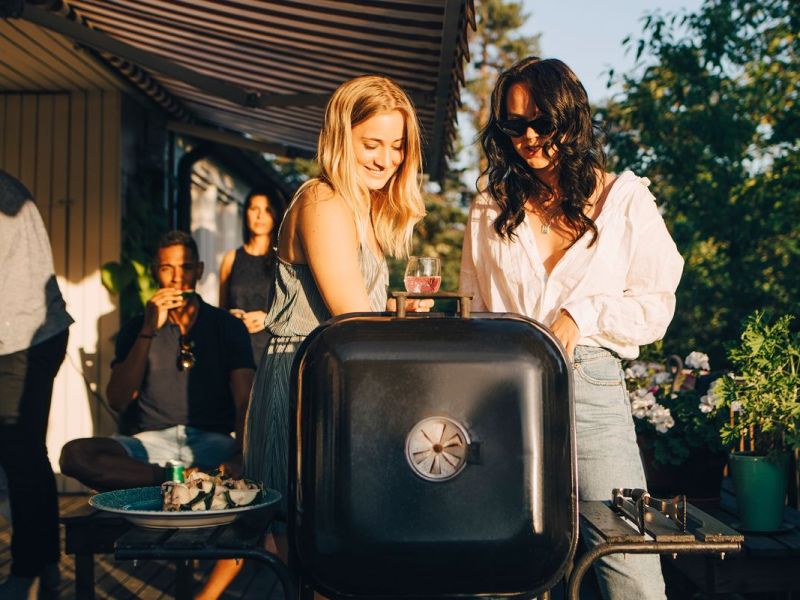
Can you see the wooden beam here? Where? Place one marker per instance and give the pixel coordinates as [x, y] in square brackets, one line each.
[447, 57]
[238, 141]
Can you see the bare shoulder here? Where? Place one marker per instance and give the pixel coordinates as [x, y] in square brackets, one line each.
[227, 258]
[315, 192]
[320, 202]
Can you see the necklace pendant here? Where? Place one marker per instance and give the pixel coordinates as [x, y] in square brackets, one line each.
[545, 228]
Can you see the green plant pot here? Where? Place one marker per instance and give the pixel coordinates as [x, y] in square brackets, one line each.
[760, 490]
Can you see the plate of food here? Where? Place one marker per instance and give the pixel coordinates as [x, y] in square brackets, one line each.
[202, 500]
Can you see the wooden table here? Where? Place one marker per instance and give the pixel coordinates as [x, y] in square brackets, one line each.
[88, 532]
[768, 563]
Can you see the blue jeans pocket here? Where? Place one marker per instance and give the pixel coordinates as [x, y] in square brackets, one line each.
[599, 371]
[600, 396]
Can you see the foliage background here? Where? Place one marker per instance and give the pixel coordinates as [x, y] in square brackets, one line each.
[711, 117]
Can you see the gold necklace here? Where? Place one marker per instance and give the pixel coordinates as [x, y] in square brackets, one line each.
[545, 229]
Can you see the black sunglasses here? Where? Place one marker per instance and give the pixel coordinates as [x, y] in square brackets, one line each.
[186, 359]
[516, 127]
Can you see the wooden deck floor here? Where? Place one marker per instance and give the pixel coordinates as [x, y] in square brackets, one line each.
[148, 580]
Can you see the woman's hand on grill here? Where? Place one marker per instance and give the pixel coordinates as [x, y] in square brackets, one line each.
[567, 332]
[411, 305]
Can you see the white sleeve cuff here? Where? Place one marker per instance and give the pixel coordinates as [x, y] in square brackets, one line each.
[584, 315]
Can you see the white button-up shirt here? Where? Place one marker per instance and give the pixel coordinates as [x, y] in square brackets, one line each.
[620, 291]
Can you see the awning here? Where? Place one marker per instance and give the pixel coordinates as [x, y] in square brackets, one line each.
[264, 69]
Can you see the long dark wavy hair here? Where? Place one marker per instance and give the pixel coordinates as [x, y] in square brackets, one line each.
[577, 139]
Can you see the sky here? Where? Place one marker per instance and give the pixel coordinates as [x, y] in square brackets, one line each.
[588, 34]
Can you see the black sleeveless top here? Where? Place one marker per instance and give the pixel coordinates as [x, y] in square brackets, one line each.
[250, 287]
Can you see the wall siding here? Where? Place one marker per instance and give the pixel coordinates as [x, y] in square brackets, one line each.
[65, 147]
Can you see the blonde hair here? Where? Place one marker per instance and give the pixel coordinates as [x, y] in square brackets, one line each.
[401, 207]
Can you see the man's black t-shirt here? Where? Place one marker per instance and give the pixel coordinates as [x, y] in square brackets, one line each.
[198, 397]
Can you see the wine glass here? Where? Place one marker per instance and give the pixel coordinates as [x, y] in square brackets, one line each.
[423, 275]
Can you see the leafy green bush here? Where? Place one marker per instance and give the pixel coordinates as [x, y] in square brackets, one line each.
[764, 388]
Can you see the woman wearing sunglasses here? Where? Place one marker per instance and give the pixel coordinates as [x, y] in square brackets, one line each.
[555, 237]
[330, 257]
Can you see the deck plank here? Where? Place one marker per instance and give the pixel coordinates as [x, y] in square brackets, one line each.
[120, 580]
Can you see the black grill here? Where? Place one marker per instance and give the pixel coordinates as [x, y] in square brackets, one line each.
[432, 456]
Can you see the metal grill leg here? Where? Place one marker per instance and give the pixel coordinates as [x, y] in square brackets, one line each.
[184, 570]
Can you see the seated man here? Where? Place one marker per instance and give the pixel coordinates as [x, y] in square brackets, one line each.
[182, 373]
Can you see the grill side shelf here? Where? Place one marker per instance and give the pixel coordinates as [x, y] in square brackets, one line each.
[614, 529]
[708, 529]
[702, 527]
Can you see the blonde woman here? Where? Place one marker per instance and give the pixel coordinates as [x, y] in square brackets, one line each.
[331, 247]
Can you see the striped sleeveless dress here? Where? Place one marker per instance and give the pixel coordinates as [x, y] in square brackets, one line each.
[297, 309]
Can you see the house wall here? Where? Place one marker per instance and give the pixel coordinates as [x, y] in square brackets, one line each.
[65, 147]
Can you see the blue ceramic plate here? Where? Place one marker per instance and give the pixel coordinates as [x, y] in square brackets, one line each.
[142, 506]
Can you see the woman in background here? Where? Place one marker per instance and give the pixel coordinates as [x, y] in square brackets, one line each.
[585, 252]
[246, 275]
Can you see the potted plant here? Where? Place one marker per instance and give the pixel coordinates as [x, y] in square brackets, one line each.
[761, 399]
[677, 429]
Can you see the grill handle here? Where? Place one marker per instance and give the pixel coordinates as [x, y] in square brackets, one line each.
[464, 301]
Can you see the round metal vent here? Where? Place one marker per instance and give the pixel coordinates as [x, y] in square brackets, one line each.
[436, 448]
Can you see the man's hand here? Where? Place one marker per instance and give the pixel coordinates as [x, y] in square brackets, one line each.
[567, 332]
[233, 467]
[163, 301]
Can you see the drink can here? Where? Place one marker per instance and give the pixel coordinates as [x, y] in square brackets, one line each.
[175, 469]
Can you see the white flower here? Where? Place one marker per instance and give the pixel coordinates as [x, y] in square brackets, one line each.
[666, 425]
[635, 370]
[663, 377]
[736, 406]
[707, 404]
[713, 398]
[697, 360]
[661, 418]
[641, 403]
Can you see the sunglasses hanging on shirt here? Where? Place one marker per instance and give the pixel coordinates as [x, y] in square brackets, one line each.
[517, 126]
[186, 358]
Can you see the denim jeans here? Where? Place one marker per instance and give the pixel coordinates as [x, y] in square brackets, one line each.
[192, 446]
[608, 457]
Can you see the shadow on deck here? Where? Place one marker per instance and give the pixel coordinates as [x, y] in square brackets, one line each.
[148, 580]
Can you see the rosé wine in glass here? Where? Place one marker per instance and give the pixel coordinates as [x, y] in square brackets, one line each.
[423, 285]
[423, 275]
